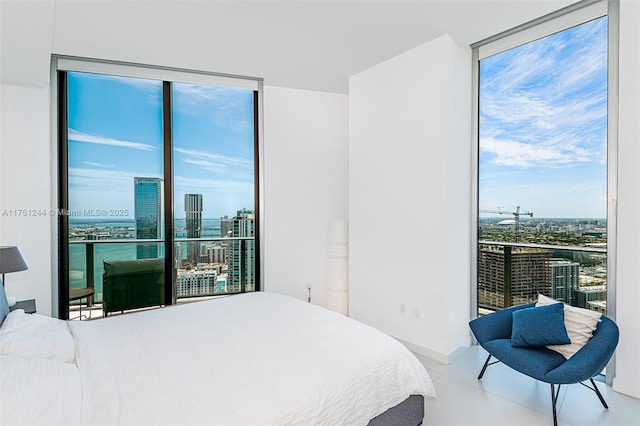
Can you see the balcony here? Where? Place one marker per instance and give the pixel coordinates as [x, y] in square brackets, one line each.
[514, 273]
[203, 267]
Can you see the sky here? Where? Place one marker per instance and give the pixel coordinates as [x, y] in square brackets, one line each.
[115, 134]
[543, 130]
[543, 126]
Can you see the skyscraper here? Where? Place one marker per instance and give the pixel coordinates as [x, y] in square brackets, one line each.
[193, 216]
[241, 253]
[148, 212]
[565, 276]
[509, 276]
[226, 226]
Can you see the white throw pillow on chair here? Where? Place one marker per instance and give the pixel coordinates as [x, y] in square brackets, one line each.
[580, 324]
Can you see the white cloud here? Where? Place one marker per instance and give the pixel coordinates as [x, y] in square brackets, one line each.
[212, 161]
[544, 104]
[207, 165]
[100, 165]
[217, 157]
[78, 136]
[102, 180]
[514, 153]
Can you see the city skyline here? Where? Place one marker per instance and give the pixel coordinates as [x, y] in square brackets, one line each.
[219, 265]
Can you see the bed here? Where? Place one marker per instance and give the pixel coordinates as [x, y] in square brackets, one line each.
[250, 359]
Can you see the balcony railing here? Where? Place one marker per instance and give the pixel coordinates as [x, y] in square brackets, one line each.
[204, 266]
[515, 273]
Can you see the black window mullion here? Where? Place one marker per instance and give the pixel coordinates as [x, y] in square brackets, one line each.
[63, 198]
[169, 270]
[256, 203]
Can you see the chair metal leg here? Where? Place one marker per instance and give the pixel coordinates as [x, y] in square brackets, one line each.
[486, 364]
[597, 391]
[595, 388]
[554, 402]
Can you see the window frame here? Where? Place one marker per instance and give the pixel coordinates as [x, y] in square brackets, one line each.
[554, 22]
[60, 65]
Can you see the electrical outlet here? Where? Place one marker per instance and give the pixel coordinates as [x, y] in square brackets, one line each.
[403, 309]
[417, 313]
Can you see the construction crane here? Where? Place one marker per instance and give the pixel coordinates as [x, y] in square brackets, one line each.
[516, 216]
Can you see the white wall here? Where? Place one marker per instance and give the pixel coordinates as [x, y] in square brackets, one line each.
[306, 172]
[25, 163]
[25, 194]
[409, 196]
[627, 308]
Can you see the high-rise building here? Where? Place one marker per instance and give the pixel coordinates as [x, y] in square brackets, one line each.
[226, 226]
[148, 212]
[193, 218]
[509, 276]
[591, 297]
[216, 253]
[241, 276]
[196, 283]
[565, 277]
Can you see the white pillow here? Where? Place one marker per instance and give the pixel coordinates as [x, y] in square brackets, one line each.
[580, 324]
[36, 336]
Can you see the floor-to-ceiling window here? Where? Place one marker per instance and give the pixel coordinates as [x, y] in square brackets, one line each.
[214, 189]
[157, 177]
[543, 201]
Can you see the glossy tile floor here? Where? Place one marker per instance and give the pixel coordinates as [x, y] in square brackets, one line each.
[506, 397]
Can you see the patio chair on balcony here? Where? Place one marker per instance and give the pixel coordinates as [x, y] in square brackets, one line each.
[132, 284]
[78, 292]
[495, 331]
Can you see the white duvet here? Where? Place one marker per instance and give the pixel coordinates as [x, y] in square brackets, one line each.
[252, 359]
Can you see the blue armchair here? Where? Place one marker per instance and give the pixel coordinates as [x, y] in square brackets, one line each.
[493, 333]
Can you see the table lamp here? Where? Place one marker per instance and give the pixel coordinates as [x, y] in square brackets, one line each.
[11, 260]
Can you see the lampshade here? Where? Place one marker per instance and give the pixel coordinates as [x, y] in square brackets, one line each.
[11, 260]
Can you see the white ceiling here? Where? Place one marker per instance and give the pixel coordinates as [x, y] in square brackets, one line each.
[303, 44]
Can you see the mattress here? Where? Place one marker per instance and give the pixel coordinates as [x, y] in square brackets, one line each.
[250, 359]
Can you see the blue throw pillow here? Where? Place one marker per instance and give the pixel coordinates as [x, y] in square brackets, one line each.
[539, 326]
[4, 305]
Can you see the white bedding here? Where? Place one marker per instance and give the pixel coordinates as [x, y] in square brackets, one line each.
[39, 391]
[252, 359]
[36, 336]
